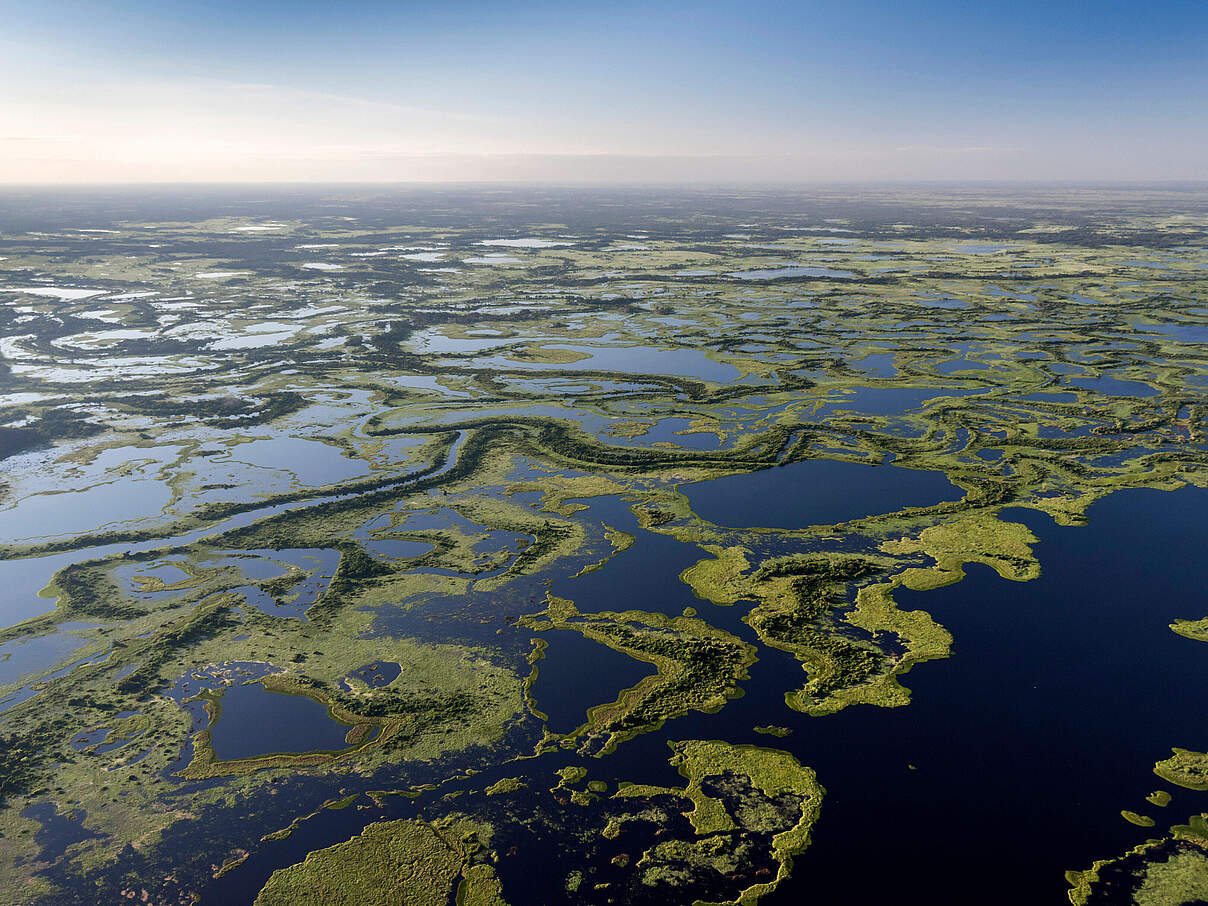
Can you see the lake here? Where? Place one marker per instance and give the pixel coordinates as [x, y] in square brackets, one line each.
[993, 781]
[815, 492]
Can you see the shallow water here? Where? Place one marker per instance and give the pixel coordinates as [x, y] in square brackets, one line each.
[1184, 333]
[68, 512]
[26, 657]
[24, 578]
[879, 365]
[313, 463]
[981, 248]
[669, 430]
[527, 243]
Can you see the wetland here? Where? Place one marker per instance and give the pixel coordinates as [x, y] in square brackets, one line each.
[593, 546]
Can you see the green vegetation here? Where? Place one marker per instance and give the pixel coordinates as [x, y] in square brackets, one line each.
[1192, 629]
[798, 597]
[414, 863]
[1185, 768]
[720, 826]
[505, 786]
[1138, 820]
[1169, 871]
[698, 669]
[254, 471]
[1160, 798]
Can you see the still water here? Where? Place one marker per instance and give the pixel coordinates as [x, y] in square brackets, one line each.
[255, 722]
[1010, 766]
[815, 492]
[1017, 754]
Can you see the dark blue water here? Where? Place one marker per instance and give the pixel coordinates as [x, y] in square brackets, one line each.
[578, 672]
[1017, 754]
[1060, 696]
[644, 577]
[1115, 387]
[1014, 759]
[255, 722]
[815, 492]
[886, 400]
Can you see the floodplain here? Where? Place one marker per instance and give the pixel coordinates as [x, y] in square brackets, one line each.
[603, 546]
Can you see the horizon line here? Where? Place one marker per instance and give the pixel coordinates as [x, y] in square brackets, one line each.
[1135, 182]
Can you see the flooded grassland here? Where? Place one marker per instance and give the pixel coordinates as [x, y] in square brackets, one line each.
[543, 547]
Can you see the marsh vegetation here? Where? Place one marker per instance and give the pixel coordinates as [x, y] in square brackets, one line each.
[688, 430]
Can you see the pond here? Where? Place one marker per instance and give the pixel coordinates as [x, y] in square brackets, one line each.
[879, 365]
[69, 512]
[313, 463]
[1115, 387]
[20, 658]
[815, 492]
[256, 722]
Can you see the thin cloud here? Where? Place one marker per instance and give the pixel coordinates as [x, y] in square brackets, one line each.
[948, 149]
[327, 97]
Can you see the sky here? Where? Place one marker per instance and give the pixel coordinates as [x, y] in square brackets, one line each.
[715, 91]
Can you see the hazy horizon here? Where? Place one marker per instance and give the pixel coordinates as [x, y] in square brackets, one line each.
[762, 92]
[587, 182]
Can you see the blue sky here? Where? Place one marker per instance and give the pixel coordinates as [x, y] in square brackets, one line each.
[713, 90]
